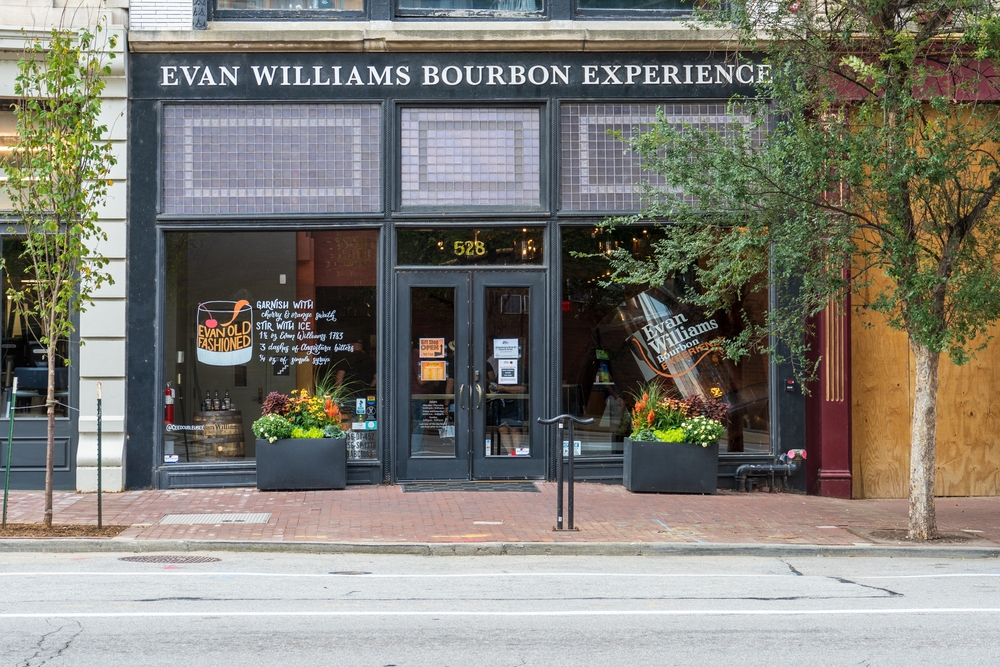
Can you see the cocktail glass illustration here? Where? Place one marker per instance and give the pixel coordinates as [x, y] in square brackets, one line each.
[225, 332]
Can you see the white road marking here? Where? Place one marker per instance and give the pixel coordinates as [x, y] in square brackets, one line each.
[485, 575]
[438, 614]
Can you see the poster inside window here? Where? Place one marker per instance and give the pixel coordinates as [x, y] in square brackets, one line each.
[250, 313]
[617, 338]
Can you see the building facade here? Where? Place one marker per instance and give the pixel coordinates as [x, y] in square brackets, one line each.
[407, 197]
[97, 349]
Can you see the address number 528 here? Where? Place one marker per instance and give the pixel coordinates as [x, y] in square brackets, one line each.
[470, 248]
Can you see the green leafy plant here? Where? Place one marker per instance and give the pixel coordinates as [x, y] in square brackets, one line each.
[866, 165]
[272, 427]
[702, 431]
[57, 180]
[314, 432]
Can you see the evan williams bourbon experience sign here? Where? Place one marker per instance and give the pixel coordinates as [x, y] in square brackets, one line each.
[444, 75]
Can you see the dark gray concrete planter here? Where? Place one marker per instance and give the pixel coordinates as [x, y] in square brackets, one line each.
[301, 464]
[670, 467]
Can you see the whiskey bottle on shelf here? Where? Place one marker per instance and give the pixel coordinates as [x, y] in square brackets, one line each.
[207, 405]
[216, 403]
[227, 403]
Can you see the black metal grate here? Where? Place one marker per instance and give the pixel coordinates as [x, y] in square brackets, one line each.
[508, 487]
[170, 559]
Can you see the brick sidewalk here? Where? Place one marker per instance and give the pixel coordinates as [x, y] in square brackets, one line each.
[384, 514]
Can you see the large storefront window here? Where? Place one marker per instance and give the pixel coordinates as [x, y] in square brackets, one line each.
[248, 313]
[617, 337]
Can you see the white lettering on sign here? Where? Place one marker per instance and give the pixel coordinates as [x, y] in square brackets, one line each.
[471, 75]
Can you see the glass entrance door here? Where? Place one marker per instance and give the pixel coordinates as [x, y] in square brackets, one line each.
[469, 384]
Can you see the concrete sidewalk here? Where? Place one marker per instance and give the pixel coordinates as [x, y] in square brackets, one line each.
[609, 519]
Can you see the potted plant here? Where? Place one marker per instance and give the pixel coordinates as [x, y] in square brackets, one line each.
[674, 444]
[300, 442]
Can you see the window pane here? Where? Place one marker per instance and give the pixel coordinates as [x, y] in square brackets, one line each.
[471, 157]
[336, 5]
[459, 5]
[249, 313]
[432, 381]
[470, 246]
[271, 158]
[635, 5]
[599, 172]
[615, 338]
[24, 356]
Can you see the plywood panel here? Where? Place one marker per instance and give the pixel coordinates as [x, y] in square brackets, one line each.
[968, 433]
[881, 402]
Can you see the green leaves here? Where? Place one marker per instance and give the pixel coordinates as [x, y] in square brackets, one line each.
[58, 178]
[878, 159]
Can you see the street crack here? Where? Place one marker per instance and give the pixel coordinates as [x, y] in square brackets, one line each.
[891, 593]
[53, 644]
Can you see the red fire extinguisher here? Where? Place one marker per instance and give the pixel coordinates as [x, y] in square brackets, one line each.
[168, 405]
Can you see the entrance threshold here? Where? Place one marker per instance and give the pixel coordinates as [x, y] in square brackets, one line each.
[502, 487]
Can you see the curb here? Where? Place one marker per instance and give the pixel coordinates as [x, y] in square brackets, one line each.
[116, 545]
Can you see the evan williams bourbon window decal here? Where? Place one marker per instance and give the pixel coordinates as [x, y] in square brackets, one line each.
[225, 332]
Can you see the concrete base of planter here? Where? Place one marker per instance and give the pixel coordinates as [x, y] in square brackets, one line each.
[302, 464]
[670, 467]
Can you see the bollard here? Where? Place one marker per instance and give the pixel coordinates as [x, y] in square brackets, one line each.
[100, 517]
[10, 443]
[559, 467]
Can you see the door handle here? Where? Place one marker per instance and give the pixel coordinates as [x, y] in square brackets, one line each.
[461, 398]
[479, 396]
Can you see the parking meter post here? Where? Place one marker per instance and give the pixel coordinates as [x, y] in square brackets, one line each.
[559, 479]
[572, 475]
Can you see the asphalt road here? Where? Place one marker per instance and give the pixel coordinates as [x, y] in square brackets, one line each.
[247, 609]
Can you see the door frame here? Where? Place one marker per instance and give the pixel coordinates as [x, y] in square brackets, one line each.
[476, 465]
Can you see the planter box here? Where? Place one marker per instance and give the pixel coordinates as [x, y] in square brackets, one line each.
[301, 464]
[670, 467]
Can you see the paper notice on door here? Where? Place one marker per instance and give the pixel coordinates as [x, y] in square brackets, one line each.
[506, 348]
[431, 371]
[506, 371]
[432, 348]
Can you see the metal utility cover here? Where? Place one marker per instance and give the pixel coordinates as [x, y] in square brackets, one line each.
[191, 519]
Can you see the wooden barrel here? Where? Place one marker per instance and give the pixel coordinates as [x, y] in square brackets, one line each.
[222, 436]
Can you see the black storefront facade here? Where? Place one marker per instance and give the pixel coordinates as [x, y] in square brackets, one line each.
[421, 226]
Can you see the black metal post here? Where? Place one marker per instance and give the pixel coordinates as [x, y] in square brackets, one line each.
[559, 481]
[100, 514]
[10, 443]
[559, 464]
[572, 475]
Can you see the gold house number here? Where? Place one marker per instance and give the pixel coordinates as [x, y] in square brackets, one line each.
[470, 248]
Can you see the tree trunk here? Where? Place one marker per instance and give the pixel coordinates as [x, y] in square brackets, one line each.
[923, 525]
[50, 442]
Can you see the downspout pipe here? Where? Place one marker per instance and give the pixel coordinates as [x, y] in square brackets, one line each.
[787, 465]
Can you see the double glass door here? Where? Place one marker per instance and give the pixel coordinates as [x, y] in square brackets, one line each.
[470, 375]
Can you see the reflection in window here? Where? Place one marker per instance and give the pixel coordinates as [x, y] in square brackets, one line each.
[470, 157]
[249, 313]
[474, 5]
[294, 5]
[618, 337]
[24, 356]
[467, 246]
[640, 5]
[8, 137]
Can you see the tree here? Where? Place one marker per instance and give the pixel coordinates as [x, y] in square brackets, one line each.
[57, 180]
[879, 175]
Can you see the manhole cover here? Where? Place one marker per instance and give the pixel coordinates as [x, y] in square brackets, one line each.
[350, 572]
[171, 559]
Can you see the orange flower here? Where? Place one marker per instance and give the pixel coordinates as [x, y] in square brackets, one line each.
[332, 409]
[651, 417]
